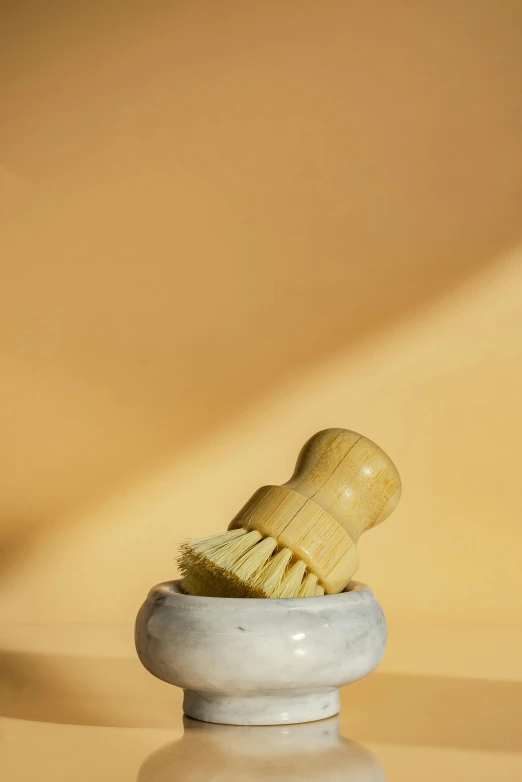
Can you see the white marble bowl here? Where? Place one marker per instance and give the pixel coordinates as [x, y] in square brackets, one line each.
[260, 661]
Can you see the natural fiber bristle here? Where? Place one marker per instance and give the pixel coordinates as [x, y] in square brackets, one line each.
[239, 563]
[269, 578]
[247, 566]
[309, 586]
[291, 584]
[208, 566]
[214, 541]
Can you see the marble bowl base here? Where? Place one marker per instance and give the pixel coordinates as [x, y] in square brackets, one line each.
[275, 708]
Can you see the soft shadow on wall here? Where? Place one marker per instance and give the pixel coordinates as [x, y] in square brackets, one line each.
[428, 392]
[202, 201]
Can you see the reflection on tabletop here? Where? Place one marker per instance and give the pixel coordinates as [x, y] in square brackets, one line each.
[313, 751]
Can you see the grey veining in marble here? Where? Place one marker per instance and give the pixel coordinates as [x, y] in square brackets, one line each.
[260, 662]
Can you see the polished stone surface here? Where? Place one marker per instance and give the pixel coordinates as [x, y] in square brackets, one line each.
[260, 662]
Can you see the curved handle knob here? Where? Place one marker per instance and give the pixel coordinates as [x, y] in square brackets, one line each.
[350, 477]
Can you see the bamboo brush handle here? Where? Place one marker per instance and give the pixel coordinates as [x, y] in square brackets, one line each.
[343, 485]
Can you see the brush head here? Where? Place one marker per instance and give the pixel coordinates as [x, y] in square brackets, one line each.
[239, 563]
[299, 539]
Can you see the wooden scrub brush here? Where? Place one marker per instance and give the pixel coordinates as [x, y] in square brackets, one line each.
[299, 539]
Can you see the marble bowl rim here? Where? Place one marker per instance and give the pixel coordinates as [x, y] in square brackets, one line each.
[169, 592]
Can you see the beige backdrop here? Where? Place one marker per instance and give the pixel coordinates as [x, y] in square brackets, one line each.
[227, 225]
